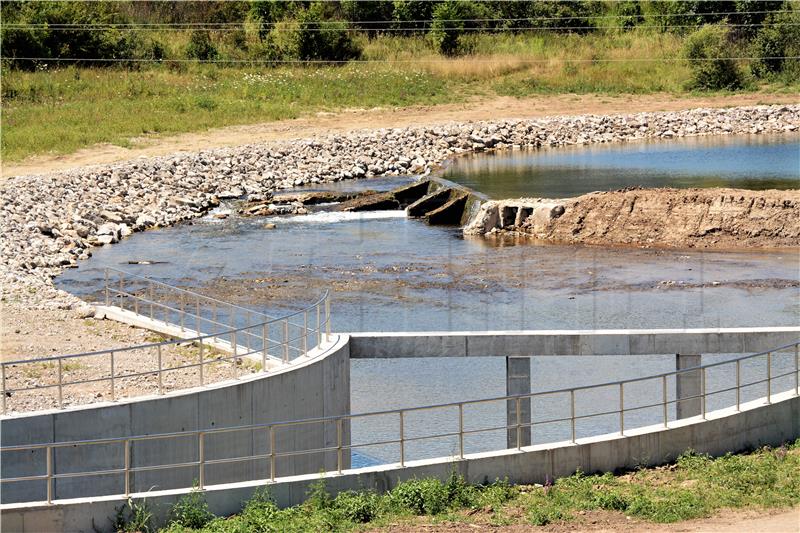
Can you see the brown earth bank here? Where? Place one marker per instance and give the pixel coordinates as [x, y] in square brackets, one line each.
[673, 218]
[323, 123]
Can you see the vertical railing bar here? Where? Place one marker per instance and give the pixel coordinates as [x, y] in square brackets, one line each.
[265, 344]
[319, 327]
[60, 385]
[151, 290]
[769, 378]
[113, 391]
[461, 430]
[49, 459]
[738, 385]
[272, 453]
[305, 332]
[3, 384]
[247, 331]
[108, 298]
[622, 408]
[127, 467]
[214, 320]
[121, 291]
[797, 368]
[703, 391]
[135, 304]
[160, 377]
[339, 445]
[664, 399]
[327, 319]
[572, 413]
[518, 405]
[402, 440]
[197, 316]
[286, 340]
[202, 458]
[200, 366]
[183, 311]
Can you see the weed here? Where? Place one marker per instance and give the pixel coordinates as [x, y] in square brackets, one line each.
[191, 511]
[132, 518]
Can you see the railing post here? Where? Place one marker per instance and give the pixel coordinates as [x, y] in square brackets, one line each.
[200, 366]
[214, 320]
[183, 311]
[234, 345]
[622, 408]
[286, 340]
[402, 441]
[664, 399]
[572, 412]
[136, 305]
[305, 332]
[197, 316]
[60, 384]
[327, 319]
[49, 458]
[152, 298]
[121, 291]
[796, 369]
[113, 391]
[519, 423]
[201, 452]
[703, 391]
[247, 332]
[127, 467]
[105, 275]
[272, 453]
[738, 385]
[319, 327]
[461, 430]
[769, 378]
[3, 384]
[160, 378]
[265, 346]
[339, 445]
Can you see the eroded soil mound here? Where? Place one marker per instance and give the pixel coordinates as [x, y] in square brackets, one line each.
[690, 218]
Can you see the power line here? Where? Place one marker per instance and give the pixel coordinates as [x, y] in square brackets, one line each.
[390, 61]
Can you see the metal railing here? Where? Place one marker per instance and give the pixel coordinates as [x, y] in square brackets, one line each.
[272, 456]
[262, 338]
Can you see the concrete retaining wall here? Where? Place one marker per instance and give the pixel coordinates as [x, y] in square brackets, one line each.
[725, 431]
[316, 386]
[570, 342]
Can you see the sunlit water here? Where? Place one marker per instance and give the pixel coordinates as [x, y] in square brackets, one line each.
[389, 273]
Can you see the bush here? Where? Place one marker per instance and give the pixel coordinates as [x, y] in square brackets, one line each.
[200, 46]
[450, 21]
[420, 496]
[191, 511]
[316, 37]
[358, 507]
[709, 52]
[408, 13]
[777, 39]
[260, 511]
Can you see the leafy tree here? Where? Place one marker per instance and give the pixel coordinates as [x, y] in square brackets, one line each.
[412, 13]
[709, 51]
[368, 15]
[451, 19]
[319, 38]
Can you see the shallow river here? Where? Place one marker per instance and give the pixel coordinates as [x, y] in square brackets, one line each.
[389, 273]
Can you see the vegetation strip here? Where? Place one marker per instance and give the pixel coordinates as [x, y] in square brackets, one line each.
[694, 486]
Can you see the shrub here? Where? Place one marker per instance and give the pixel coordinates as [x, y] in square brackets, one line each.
[200, 46]
[260, 512]
[191, 511]
[420, 496]
[777, 39]
[409, 13]
[319, 38]
[358, 507]
[709, 52]
[450, 21]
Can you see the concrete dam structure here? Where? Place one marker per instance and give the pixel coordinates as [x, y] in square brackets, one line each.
[70, 467]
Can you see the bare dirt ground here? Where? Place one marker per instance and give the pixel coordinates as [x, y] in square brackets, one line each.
[729, 521]
[495, 108]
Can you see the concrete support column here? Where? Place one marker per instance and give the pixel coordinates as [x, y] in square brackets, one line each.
[518, 381]
[687, 385]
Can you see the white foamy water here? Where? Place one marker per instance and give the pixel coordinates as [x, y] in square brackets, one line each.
[330, 217]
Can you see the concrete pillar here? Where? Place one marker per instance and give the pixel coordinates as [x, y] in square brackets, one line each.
[687, 384]
[518, 381]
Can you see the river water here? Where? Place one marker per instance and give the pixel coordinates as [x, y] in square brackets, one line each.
[389, 273]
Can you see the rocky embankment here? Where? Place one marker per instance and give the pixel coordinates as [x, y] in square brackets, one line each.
[49, 222]
[680, 218]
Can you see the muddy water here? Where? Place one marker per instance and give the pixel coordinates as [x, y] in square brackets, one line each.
[741, 161]
[388, 273]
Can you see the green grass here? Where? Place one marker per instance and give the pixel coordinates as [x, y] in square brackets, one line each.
[695, 486]
[57, 111]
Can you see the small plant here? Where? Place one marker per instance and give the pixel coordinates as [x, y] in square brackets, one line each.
[420, 496]
[318, 497]
[260, 512]
[358, 507]
[191, 511]
[132, 518]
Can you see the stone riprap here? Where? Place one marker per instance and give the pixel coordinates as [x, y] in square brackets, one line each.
[49, 222]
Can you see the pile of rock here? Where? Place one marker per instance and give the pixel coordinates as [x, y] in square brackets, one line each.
[49, 222]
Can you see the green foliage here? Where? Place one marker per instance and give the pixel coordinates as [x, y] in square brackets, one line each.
[777, 39]
[133, 517]
[710, 53]
[451, 19]
[420, 496]
[191, 511]
[319, 38]
[628, 14]
[411, 14]
[200, 46]
[358, 507]
[369, 15]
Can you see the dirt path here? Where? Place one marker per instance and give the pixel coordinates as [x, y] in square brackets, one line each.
[496, 108]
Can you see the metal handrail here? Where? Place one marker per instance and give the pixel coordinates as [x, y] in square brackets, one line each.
[273, 454]
[259, 331]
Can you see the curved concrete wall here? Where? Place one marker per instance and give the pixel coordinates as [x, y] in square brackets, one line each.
[318, 386]
[724, 431]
